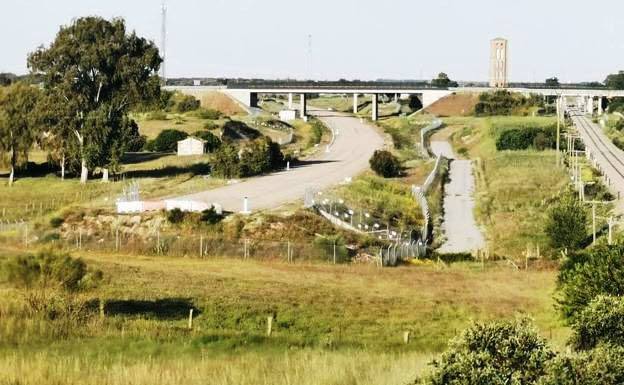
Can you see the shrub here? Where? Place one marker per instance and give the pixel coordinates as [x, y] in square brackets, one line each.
[209, 113]
[586, 275]
[317, 132]
[330, 243]
[175, 216]
[167, 140]
[601, 366]
[260, 156]
[210, 216]
[225, 162]
[46, 269]
[187, 103]
[501, 352]
[503, 102]
[385, 164]
[565, 224]
[212, 141]
[602, 321]
[526, 137]
[56, 222]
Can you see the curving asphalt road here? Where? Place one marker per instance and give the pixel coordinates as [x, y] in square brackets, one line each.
[354, 144]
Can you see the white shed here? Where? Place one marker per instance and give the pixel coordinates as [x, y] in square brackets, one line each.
[287, 115]
[191, 146]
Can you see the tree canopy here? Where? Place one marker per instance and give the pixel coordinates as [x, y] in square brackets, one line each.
[615, 81]
[98, 71]
[443, 81]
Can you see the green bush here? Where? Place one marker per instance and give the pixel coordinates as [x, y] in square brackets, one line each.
[317, 132]
[167, 140]
[586, 275]
[385, 164]
[210, 216]
[539, 138]
[56, 222]
[209, 113]
[503, 102]
[256, 157]
[187, 103]
[212, 142]
[330, 243]
[566, 224]
[45, 269]
[226, 163]
[600, 366]
[501, 352]
[175, 216]
[602, 321]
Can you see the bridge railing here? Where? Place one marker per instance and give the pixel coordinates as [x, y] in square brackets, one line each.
[355, 85]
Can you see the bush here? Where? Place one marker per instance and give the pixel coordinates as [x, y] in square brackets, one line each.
[261, 156]
[503, 102]
[602, 321]
[565, 225]
[56, 222]
[209, 113]
[212, 141]
[385, 164]
[187, 103]
[502, 352]
[601, 366]
[46, 269]
[210, 216]
[524, 138]
[327, 244]
[167, 140]
[175, 216]
[317, 132]
[586, 275]
[225, 163]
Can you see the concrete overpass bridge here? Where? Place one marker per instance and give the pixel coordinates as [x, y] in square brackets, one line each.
[246, 93]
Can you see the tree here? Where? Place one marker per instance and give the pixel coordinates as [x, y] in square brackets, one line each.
[600, 366]
[187, 103]
[443, 81]
[566, 224]
[226, 163]
[99, 72]
[212, 141]
[602, 321]
[385, 164]
[501, 352]
[586, 275]
[167, 140]
[260, 156]
[18, 123]
[615, 81]
[552, 82]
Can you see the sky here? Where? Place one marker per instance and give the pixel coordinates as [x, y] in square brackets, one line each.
[352, 39]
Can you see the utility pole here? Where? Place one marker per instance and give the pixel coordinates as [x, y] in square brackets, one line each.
[163, 43]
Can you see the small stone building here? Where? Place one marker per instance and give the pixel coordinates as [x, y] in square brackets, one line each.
[191, 146]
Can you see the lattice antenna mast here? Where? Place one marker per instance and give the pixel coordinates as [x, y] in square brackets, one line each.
[163, 43]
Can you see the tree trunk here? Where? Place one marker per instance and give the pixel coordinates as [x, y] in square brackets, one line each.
[105, 175]
[11, 175]
[63, 167]
[84, 172]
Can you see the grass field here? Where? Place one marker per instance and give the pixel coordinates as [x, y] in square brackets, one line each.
[333, 324]
[513, 187]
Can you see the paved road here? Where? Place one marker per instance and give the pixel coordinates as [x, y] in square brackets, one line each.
[608, 157]
[459, 226]
[353, 146]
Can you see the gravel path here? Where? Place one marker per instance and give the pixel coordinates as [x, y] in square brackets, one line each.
[460, 227]
[354, 144]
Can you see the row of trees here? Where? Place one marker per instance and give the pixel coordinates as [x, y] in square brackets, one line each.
[92, 75]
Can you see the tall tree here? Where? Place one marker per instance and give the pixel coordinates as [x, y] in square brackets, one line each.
[552, 82]
[99, 72]
[18, 125]
[615, 81]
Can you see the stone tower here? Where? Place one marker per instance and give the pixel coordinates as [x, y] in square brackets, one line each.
[498, 63]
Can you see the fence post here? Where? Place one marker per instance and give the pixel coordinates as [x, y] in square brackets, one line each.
[269, 326]
[190, 320]
[406, 337]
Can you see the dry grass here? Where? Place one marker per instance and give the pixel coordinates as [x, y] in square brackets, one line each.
[221, 102]
[460, 104]
[334, 324]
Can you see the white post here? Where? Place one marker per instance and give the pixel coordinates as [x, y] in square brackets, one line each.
[600, 111]
[290, 101]
[287, 166]
[246, 206]
[610, 230]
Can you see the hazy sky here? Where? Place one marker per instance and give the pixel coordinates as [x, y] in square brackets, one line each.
[354, 39]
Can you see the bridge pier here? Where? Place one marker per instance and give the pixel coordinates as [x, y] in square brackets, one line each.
[290, 101]
[302, 106]
[374, 109]
[589, 105]
[355, 103]
[600, 111]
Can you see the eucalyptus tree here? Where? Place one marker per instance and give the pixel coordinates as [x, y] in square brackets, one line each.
[18, 125]
[98, 71]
